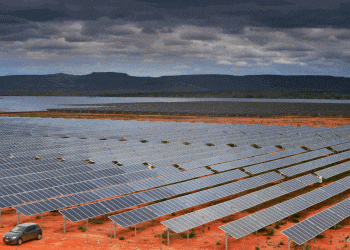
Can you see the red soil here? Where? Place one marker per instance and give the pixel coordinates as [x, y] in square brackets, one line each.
[97, 237]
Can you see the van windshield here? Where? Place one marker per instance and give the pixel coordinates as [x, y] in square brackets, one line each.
[17, 229]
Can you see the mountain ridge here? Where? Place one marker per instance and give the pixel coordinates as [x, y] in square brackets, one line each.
[115, 83]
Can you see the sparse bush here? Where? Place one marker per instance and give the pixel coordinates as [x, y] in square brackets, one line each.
[320, 236]
[262, 229]
[111, 236]
[257, 248]
[277, 226]
[217, 243]
[268, 237]
[296, 215]
[80, 227]
[84, 229]
[98, 221]
[271, 231]
[295, 220]
[121, 238]
[190, 235]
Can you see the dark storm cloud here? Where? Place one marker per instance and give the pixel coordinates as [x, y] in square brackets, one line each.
[200, 36]
[240, 33]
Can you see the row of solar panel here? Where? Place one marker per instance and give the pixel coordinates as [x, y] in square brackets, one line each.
[39, 191]
[318, 223]
[38, 195]
[216, 160]
[177, 204]
[99, 194]
[267, 166]
[206, 215]
[254, 222]
[335, 170]
[257, 159]
[77, 213]
[301, 168]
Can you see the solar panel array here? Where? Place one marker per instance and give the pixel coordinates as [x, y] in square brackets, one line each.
[77, 199]
[206, 215]
[322, 162]
[74, 158]
[263, 218]
[318, 223]
[112, 205]
[257, 159]
[267, 166]
[335, 170]
[170, 206]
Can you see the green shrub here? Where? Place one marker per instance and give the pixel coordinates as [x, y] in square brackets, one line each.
[217, 243]
[257, 248]
[277, 226]
[80, 227]
[320, 236]
[121, 238]
[295, 220]
[268, 237]
[281, 243]
[84, 229]
[271, 231]
[296, 215]
[262, 229]
[190, 235]
[98, 221]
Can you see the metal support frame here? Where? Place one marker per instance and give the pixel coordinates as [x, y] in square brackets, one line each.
[167, 231]
[183, 211]
[105, 217]
[64, 224]
[289, 241]
[203, 228]
[135, 238]
[188, 236]
[18, 213]
[41, 220]
[115, 230]
[226, 244]
[152, 222]
[87, 230]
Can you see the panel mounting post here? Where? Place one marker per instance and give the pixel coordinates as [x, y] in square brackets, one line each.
[167, 231]
[41, 220]
[64, 224]
[226, 244]
[18, 213]
[289, 241]
[87, 230]
[152, 222]
[202, 228]
[115, 230]
[188, 236]
[105, 217]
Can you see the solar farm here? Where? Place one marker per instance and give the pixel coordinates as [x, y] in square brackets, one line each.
[184, 178]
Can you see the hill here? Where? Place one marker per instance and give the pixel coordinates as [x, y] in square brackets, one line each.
[121, 84]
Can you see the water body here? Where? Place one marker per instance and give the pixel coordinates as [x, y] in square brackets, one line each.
[42, 103]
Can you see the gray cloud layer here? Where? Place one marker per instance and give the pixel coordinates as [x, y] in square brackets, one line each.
[187, 36]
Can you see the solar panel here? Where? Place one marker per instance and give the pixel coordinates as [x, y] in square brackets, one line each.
[286, 208]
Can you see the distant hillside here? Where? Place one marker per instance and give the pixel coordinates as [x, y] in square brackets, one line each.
[121, 84]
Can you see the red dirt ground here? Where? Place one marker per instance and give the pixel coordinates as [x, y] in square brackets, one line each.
[97, 237]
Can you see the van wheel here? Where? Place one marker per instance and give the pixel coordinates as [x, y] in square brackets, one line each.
[38, 237]
[19, 241]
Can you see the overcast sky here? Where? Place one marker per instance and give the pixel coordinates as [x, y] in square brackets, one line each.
[159, 37]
